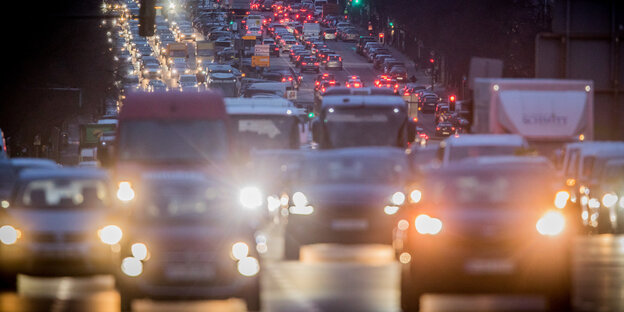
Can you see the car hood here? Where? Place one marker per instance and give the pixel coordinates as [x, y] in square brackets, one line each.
[353, 194]
[55, 220]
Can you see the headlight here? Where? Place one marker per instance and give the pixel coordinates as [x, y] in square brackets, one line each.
[251, 197]
[248, 266]
[9, 235]
[299, 199]
[240, 250]
[398, 198]
[427, 225]
[593, 203]
[131, 266]
[125, 192]
[139, 251]
[561, 199]
[609, 199]
[390, 210]
[551, 224]
[415, 196]
[110, 234]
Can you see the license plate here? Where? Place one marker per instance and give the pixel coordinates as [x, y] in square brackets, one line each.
[445, 133]
[349, 224]
[489, 266]
[189, 272]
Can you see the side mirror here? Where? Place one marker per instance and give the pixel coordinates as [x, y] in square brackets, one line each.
[411, 130]
[316, 130]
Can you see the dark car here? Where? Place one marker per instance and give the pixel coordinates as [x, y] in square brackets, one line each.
[190, 240]
[310, 63]
[444, 128]
[486, 225]
[346, 196]
[399, 73]
[362, 40]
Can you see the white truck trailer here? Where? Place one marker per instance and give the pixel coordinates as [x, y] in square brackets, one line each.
[546, 112]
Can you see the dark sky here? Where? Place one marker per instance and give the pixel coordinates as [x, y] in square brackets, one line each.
[53, 44]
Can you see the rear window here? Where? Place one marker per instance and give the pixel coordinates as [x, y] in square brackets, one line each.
[64, 193]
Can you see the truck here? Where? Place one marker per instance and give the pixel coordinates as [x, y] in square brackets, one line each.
[205, 52]
[546, 112]
[311, 30]
[330, 9]
[239, 7]
[176, 50]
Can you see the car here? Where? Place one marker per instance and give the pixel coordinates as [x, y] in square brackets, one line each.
[186, 234]
[482, 232]
[399, 73]
[155, 85]
[390, 63]
[379, 58]
[288, 44]
[322, 54]
[296, 52]
[350, 35]
[188, 83]
[444, 128]
[385, 81]
[60, 216]
[179, 67]
[442, 112]
[334, 61]
[346, 196]
[354, 82]
[309, 63]
[323, 77]
[20, 164]
[362, 40]
[329, 34]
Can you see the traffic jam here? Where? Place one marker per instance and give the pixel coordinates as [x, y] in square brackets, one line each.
[279, 155]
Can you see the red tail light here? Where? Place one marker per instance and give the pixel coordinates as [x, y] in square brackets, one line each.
[332, 82]
[316, 64]
[453, 128]
[290, 78]
[357, 85]
[323, 89]
[406, 94]
[304, 63]
[437, 128]
[283, 79]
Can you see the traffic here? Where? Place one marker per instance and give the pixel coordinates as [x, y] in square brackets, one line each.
[278, 156]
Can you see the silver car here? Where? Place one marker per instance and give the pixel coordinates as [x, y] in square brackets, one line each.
[334, 61]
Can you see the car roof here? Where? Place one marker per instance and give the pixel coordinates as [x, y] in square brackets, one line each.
[486, 140]
[62, 173]
[361, 152]
[362, 100]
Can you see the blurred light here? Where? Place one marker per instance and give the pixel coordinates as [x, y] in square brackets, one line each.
[250, 197]
[9, 235]
[593, 203]
[240, 250]
[415, 196]
[587, 88]
[584, 200]
[496, 87]
[405, 258]
[131, 266]
[299, 199]
[110, 234]
[5, 204]
[622, 202]
[248, 266]
[551, 224]
[301, 210]
[403, 225]
[609, 199]
[581, 137]
[398, 198]
[139, 251]
[125, 192]
[262, 248]
[273, 203]
[390, 210]
[570, 182]
[427, 225]
[561, 199]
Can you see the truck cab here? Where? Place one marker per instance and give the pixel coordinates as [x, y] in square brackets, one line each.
[362, 120]
[459, 147]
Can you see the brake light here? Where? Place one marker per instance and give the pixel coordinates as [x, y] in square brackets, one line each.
[290, 78]
[357, 85]
[332, 82]
[453, 128]
[283, 79]
[437, 128]
[316, 64]
[304, 63]
[317, 83]
[406, 94]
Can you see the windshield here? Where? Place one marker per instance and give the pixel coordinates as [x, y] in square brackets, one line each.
[64, 194]
[228, 87]
[177, 53]
[256, 132]
[173, 140]
[349, 127]
[460, 152]
[7, 177]
[366, 170]
[493, 188]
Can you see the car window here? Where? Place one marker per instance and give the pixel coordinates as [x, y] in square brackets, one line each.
[64, 193]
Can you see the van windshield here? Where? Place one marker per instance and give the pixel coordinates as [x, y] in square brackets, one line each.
[173, 140]
[350, 127]
[461, 152]
[64, 194]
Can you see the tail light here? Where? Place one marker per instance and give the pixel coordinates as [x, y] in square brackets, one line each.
[316, 83]
[453, 128]
[283, 79]
[304, 63]
[290, 78]
[357, 85]
[438, 128]
[406, 94]
[317, 64]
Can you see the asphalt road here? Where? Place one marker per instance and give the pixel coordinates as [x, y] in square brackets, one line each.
[322, 285]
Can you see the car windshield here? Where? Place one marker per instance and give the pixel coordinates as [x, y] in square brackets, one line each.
[227, 86]
[366, 170]
[382, 126]
[173, 140]
[461, 152]
[501, 189]
[64, 194]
